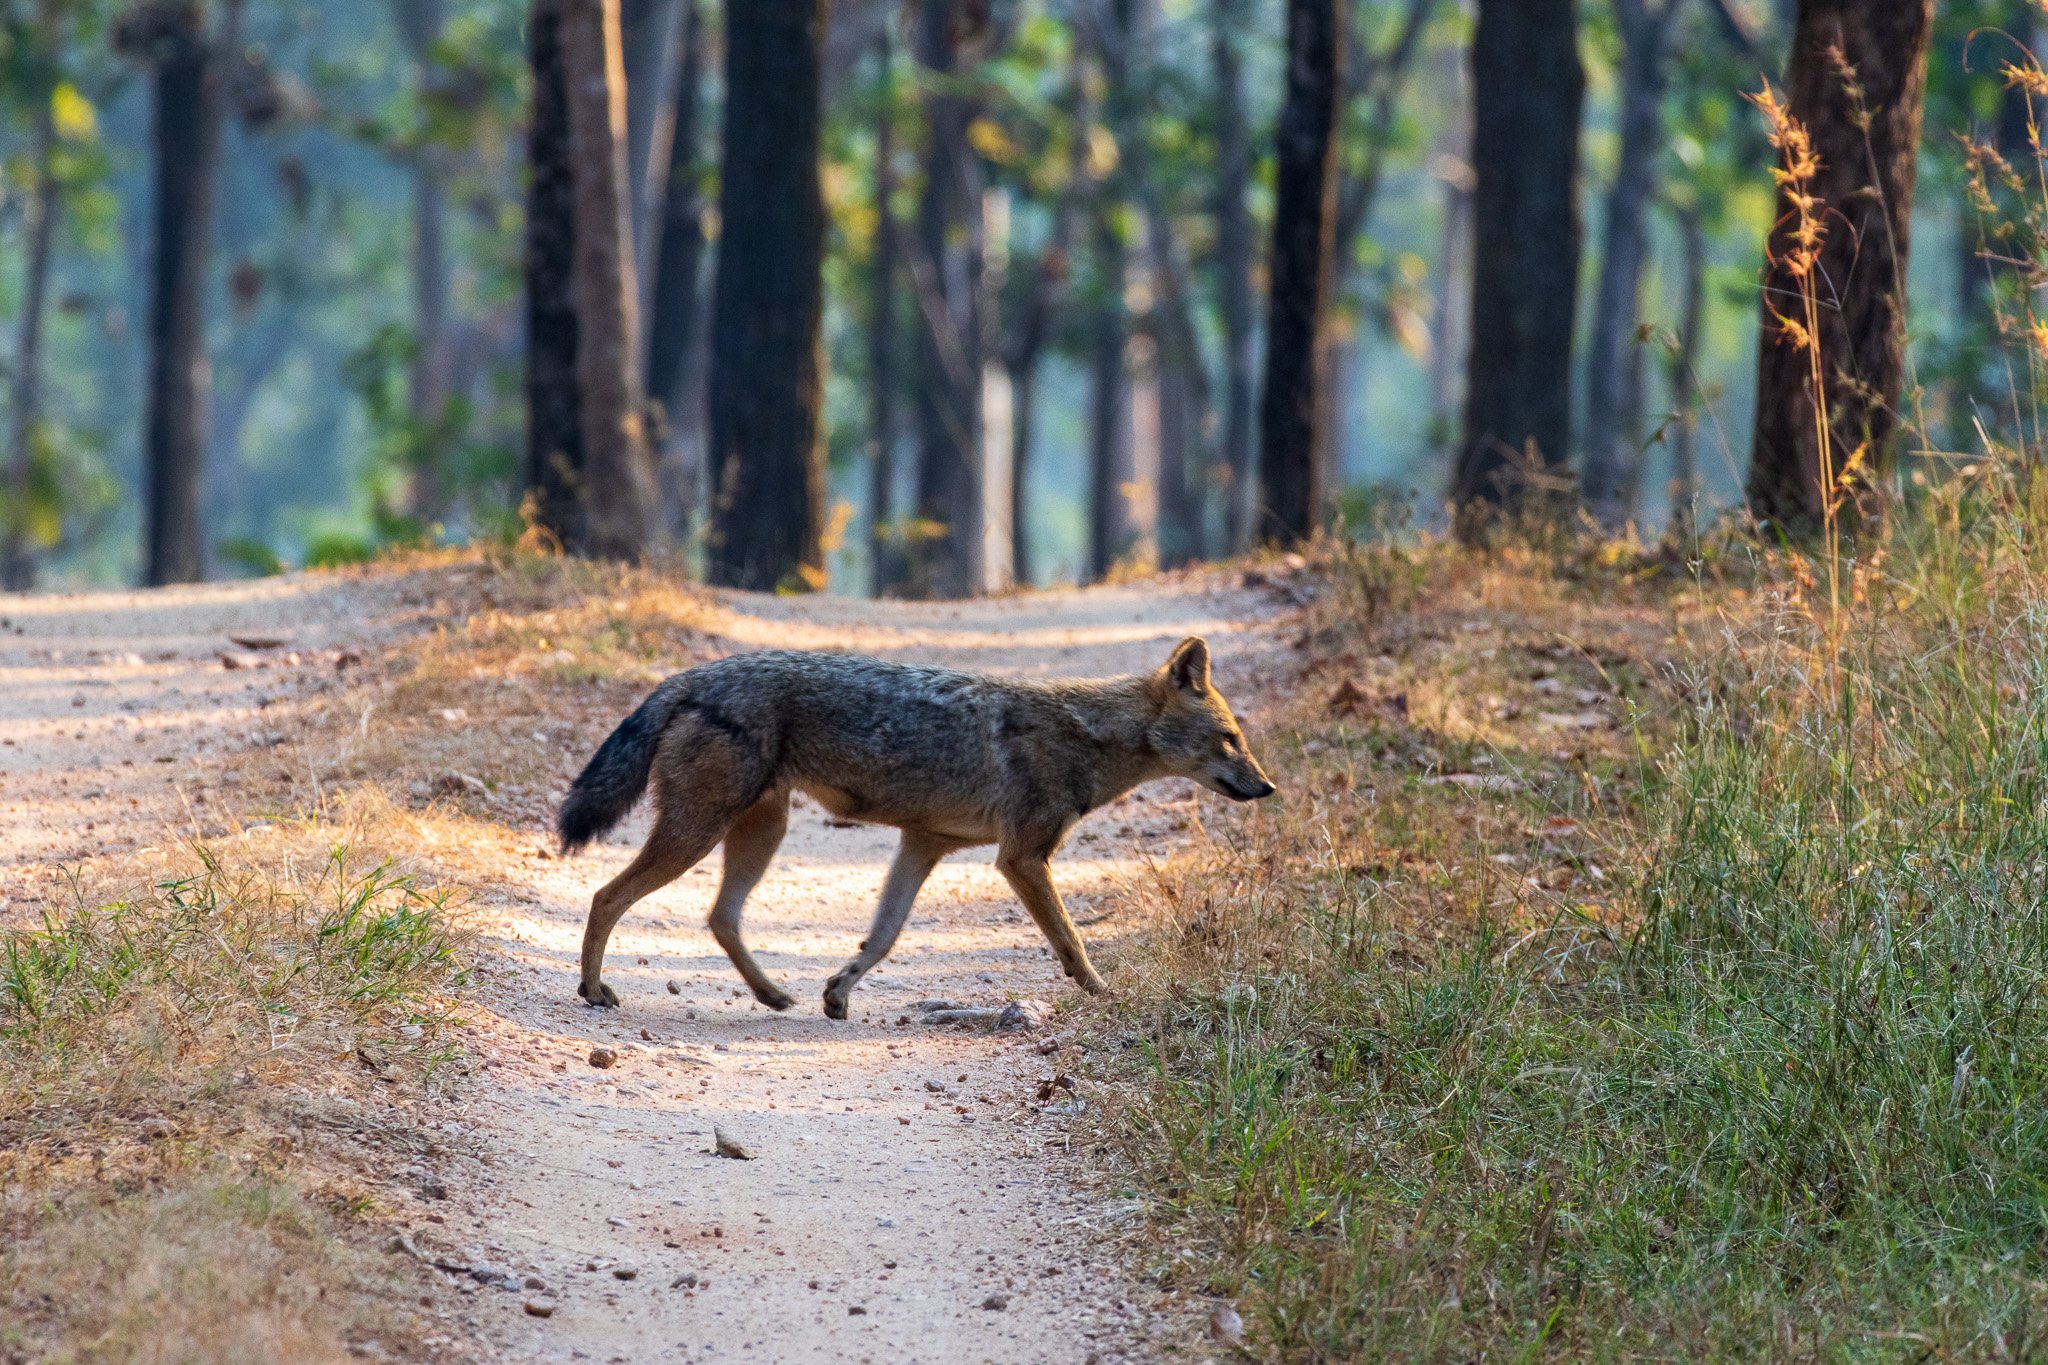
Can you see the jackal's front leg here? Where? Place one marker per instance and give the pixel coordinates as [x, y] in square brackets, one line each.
[919, 854]
[1031, 878]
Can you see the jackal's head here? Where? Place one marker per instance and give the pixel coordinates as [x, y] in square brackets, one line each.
[1194, 732]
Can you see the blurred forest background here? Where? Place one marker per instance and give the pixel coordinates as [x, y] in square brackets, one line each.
[1046, 245]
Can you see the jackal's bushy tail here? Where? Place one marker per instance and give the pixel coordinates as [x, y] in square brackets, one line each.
[617, 773]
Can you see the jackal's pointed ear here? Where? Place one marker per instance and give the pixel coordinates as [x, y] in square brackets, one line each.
[1189, 667]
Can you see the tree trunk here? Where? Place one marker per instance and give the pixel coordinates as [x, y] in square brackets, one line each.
[767, 381]
[1614, 361]
[1034, 324]
[676, 305]
[618, 487]
[653, 35]
[884, 535]
[1108, 402]
[1304, 231]
[1866, 151]
[17, 559]
[1528, 87]
[1684, 379]
[432, 363]
[554, 409]
[1234, 266]
[947, 274]
[189, 103]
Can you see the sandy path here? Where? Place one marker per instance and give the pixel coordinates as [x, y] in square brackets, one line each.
[904, 1176]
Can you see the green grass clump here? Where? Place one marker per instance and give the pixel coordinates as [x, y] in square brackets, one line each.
[1787, 1095]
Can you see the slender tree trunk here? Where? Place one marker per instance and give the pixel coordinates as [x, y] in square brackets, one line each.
[676, 304]
[1108, 402]
[554, 408]
[1614, 362]
[1528, 87]
[653, 35]
[189, 104]
[1866, 149]
[995, 483]
[432, 364]
[17, 560]
[1034, 324]
[884, 536]
[1684, 378]
[1304, 231]
[767, 380]
[947, 274]
[618, 491]
[1229, 21]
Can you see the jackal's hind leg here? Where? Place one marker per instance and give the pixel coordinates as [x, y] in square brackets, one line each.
[677, 843]
[915, 859]
[749, 847]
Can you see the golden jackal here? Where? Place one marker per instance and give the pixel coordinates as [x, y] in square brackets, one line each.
[952, 759]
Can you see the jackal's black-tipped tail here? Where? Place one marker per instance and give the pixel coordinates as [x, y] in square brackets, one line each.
[617, 773]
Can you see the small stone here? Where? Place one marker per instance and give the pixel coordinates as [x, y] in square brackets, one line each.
[603, 1058]
[625, 1272]
[726, 1147]
[645, 1036]
[1049, 1045]
[996, 1303]
[156, 1130]
[854, 1310]
[459, 784]
[1226, 1326]
[534, 1282]
[674, 989]
[936, 1086]
[684, 1281]
[539, 1306]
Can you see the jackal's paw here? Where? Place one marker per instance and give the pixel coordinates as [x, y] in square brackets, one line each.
[605, 998]
[774, 999]
[835, 998]
[1091, 983]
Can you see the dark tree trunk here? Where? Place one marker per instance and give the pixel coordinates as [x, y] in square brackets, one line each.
[947, 274]
[676, 303]
[1108, 401]
[189, 103]
[17, 559]
[1865, 182]
[1234, 267]
[618, 492]
[554, 409]
[1304, 230]
[652, 31]
[1684, 379]
[1614, 359]
[1528, 87]
[767, 385]
[884, 536]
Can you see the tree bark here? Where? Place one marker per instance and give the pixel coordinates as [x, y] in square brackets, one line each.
[17, 558]
[767, 382]
[188, 106]
[1528, 87]
[1614, 359]
[885, 561]
[1684, 378]
[1109, 434]
[653, 32]
[1304, 231]
[1866, 148]
[947, 275]
[1229, 20]
[619, 497]
[676, 305]
[554, 409]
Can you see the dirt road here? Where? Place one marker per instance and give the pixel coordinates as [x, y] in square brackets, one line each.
[911, 1197]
